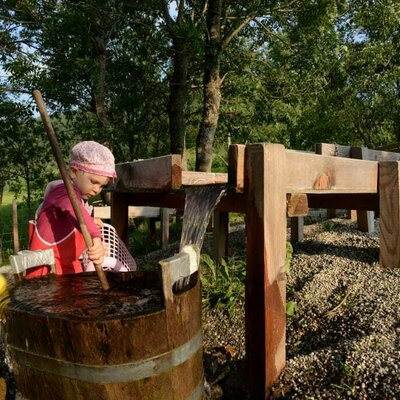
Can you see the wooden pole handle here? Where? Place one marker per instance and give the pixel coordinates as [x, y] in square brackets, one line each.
[67, 182]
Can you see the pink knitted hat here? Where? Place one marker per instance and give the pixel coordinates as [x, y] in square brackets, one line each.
[94, 158]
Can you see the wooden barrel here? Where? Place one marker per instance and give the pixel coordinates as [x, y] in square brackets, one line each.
[69, 340]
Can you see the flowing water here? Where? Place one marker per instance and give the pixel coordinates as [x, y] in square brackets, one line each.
[199, 204]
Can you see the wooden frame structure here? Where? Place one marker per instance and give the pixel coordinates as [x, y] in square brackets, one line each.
[365, 219]
[267, 181]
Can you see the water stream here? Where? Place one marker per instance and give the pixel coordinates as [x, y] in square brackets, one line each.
[200, 203]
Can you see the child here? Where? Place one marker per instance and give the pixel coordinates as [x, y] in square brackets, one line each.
[92, 167]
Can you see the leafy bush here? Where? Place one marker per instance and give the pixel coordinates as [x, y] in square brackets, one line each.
[223, 285]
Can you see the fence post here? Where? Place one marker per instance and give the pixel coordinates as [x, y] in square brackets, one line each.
[15, 226]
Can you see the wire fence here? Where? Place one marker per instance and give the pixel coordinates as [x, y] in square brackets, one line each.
[24, 214]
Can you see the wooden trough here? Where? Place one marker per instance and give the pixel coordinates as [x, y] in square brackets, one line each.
[68, 340]
[269, 183]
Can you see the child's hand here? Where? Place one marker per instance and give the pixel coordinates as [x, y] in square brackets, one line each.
[98, 222]
[96, 252]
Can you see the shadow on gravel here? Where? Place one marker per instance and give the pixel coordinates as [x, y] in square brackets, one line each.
[367, 255]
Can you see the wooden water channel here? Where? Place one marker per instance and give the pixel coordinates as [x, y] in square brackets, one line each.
[268, 183]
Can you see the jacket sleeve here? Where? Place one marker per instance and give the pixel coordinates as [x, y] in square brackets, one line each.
[59, 197]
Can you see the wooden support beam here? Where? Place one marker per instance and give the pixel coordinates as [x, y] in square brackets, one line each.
[373, 155]
[194, 178]
[220, 235]
[389, 221]
[265, 308]
[119, 214]
[362, 201]
[296, 229]
[334, 150]
[312, 173]
[365, 219]
[160, 173]
[236, 166]
[297, 204]
[165, 213]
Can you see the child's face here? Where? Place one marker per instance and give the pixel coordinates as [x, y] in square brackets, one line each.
[88, 184]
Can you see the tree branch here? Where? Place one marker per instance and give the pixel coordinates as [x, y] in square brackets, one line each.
[233, 32]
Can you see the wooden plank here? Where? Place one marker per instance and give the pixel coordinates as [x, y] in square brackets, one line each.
[363, 201]
[194, 178]
[297, 204]
[160, 173]
[265, 308]
[313, 173]
[236, 166]
[133, 212]
[374, 155]
[389, 221]
[220, 235]
[329, 149]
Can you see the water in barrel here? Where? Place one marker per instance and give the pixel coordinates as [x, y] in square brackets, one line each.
[78, 297]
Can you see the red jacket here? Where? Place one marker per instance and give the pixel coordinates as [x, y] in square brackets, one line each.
[57, 227]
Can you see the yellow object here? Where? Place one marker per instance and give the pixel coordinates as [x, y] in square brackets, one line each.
[4, 295]
[3, 284]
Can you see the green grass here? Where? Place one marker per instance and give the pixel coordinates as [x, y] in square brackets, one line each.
[7, 227]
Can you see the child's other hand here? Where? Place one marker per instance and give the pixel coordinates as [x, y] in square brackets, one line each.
[98, 222]
[96, 252]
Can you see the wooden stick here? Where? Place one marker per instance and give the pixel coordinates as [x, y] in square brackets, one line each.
[67, 182]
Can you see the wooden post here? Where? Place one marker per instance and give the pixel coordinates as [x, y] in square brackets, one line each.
[389, 221]
[296, 229]
[15, 226]
[365, 219]
[220, 235]
[265, 183]
[164, 217]
[119, 214]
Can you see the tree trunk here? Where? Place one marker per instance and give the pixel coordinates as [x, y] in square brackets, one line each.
[177, 97]
[211, 88]
[99, 91]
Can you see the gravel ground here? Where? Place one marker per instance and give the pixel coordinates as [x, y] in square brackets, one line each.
[343, 341]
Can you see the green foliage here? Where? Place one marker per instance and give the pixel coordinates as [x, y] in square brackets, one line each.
[223, 285]
[291, 308]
